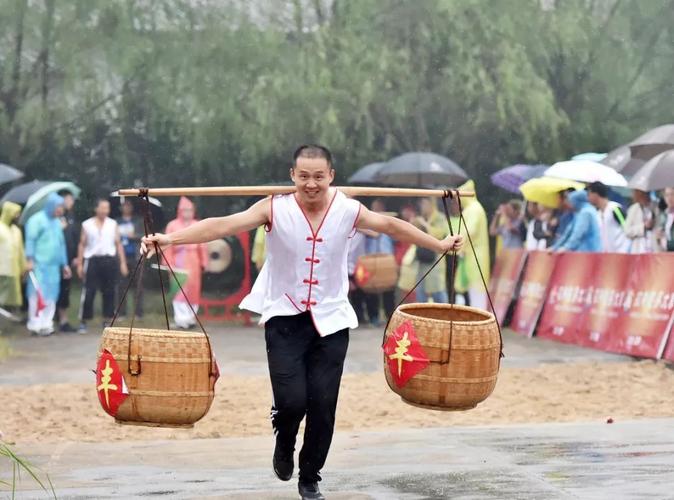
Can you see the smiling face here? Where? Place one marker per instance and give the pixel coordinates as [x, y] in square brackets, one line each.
[312, 178]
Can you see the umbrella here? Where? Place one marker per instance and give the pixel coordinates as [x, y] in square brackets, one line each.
[592, 156]
[586, 171]
[545, 190]
[620, 160]
[37, 200]
[511, 178]
[366, 174]
[657, 173]
[156, 210]
[421, 169]
[9, 174]
[631, 157]
[20, 194]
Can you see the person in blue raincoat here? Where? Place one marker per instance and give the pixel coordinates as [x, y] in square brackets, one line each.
[46, 258]
[583, 234]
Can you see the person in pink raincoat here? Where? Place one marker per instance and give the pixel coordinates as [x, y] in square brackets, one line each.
[189, 258]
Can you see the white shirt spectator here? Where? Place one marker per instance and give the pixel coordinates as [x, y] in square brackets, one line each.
[611, 224]
[100, 240]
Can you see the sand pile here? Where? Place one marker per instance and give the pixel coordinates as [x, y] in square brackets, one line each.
[547, 393]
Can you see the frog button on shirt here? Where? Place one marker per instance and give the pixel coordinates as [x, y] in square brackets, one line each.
[306, 269]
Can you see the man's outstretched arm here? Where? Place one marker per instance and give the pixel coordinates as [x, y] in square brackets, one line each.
[212, 228]
[403, 231]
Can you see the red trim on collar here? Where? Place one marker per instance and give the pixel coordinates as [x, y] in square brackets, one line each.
[325, 215]
[352, 233]
[269, 225]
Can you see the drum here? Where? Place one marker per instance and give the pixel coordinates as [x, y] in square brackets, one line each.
[442, 356]
[167, 379]
[376, 273]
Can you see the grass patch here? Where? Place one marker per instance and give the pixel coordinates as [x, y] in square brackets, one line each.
[19, 466]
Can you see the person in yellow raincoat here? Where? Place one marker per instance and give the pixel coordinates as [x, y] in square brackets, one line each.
[434, 223]
[259, 253]
[13, 261]
[468, 275]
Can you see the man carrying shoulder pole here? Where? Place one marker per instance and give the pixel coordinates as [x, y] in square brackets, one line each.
[301, 295]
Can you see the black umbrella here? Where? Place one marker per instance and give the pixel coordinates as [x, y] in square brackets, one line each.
[9, 174]
[657, 173]
[421, 169]
[156, 210]
[20, 194]
[366, 174]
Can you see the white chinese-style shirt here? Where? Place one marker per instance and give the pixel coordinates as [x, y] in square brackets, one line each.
[306, 270]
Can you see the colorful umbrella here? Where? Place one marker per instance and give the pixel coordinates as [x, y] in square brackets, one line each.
[656, 174]
[511, 178]
[586, 171]
[545, 190]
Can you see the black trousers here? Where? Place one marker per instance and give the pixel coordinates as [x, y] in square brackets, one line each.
[63, 301]
[305, 371]
[101, 273]
[358, 299]
[373, 301]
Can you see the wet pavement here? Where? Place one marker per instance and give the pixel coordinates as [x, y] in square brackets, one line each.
[543, 461]
[623, 460]
[69, 358]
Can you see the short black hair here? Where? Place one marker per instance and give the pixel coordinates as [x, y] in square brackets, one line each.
[312, 151]
[598, 188]
[100, 200]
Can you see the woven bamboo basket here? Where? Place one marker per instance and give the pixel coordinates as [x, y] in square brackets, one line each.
[383, 272]
[464, 356]
[171, 381]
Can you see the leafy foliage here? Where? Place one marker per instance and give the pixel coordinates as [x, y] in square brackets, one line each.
[174, 92]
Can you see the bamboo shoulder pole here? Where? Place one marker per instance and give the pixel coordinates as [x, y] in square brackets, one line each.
[272, 190]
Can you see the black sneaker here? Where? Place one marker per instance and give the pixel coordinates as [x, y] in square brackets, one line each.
[283, 463]
[66, 328]
[309, 491]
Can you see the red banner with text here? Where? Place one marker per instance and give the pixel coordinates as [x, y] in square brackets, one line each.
[613, 302]
[565, 306]
[648, 308]
[504, 280]
[535, 282]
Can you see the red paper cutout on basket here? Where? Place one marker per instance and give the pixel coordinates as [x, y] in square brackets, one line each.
[361, 275]
[404, 354]
[110, 385]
